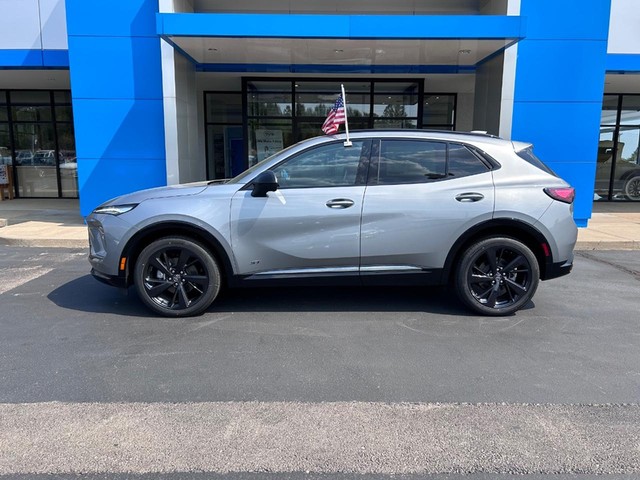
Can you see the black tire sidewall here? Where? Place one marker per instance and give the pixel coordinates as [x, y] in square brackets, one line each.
[463, 289]
[208, 261]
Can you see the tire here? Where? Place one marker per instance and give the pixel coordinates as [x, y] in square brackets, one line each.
[497, 276]
[176, 277]
[632, 188]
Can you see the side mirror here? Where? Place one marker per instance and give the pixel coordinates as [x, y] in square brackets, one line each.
[263, 183]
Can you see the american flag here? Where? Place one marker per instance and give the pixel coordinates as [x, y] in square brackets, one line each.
[335, 118]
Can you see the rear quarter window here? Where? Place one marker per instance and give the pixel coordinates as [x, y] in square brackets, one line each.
[528, 156]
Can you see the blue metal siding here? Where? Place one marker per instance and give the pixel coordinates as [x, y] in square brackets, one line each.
[623, 62]
[36, 59]
[116, 78]
[559, 88]
[339, 26]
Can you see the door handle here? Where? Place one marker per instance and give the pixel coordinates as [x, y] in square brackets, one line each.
[469, 197]
[340, 203]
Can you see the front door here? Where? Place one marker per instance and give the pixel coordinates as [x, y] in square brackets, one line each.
[311, 224]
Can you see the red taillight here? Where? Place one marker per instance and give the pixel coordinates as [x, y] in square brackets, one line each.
[562, 194]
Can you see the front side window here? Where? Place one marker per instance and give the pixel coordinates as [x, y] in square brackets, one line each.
[408, 161]
[332, 165]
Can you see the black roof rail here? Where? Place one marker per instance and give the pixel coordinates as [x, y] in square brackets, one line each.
[430, 130]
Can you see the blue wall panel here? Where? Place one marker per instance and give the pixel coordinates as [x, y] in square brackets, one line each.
[559, 87]
[116, 78]
[339, 26]
[123, 66]
[126, 129]
[623, 62]
[566, 71]
[567, 19]
[36, 59]
[111, 18]
[117, 174]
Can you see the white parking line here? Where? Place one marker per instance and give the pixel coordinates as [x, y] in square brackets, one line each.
[14, 277]
[318, 437]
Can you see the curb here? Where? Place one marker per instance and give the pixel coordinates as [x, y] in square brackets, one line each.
[45, 242]
[609, 245]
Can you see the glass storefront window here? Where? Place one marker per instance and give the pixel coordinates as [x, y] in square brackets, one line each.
[267, 137]
[609, 110]
[5, 144]
[630, 114]
[439, 110]
[224, 107]
[30, 113]
[225, 151]
[30, 97]
[36, 160]
[62, 96]
[39, 145]
[618, 159]
[281, 112]
[382, 123]
[68, 162]
[64, 113]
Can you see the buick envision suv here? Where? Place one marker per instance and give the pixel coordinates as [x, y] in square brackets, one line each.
[472, 211]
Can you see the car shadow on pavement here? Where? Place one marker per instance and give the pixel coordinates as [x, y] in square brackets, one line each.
[88, 295]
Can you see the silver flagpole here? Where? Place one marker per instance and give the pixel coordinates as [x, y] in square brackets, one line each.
[347, 142]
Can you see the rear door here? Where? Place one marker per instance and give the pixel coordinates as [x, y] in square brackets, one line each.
[421, 196]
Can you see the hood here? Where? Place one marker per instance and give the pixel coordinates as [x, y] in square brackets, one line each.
[159, 192]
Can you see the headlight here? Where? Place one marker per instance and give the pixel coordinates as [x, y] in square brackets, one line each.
[116, 209]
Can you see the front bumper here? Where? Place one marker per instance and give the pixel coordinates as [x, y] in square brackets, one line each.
[114, 281]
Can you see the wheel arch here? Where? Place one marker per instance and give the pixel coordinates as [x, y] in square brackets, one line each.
[630, 174]
[152, 232]
[511, 228]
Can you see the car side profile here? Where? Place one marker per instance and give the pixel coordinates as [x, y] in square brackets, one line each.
[472, 211]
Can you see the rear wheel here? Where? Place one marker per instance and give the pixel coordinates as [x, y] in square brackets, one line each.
[176, 277]
[497, 276]
[632, 188]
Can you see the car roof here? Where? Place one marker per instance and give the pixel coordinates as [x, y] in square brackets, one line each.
[444, 135]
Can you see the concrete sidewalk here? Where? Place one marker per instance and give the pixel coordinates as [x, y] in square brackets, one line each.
[57, 223]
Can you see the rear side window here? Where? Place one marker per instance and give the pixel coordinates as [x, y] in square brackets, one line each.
[528, 156]
[409, 161]
[419, 161]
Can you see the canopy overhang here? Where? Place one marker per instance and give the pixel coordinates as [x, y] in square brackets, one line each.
[340, 43]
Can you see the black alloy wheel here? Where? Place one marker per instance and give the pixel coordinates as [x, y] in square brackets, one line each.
[497, 276]
[176, 277]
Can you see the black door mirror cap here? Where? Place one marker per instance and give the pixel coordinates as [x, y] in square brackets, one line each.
[263, 183]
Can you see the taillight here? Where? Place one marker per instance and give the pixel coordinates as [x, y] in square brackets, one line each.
[562, 194]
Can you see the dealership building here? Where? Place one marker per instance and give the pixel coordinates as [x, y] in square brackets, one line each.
[101, 98]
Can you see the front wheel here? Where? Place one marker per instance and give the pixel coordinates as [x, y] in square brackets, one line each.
[176, 277]
[632, 188]
[497, 276]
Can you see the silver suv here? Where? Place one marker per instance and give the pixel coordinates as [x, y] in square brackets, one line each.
[395, 207]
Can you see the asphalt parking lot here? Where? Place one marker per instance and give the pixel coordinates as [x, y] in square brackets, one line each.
[572, 356]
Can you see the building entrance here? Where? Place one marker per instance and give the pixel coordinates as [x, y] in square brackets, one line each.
[246, 127]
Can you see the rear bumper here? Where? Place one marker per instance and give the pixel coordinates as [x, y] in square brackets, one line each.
[555, 270]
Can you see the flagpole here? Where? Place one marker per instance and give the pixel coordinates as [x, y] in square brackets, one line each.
[347, 142]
